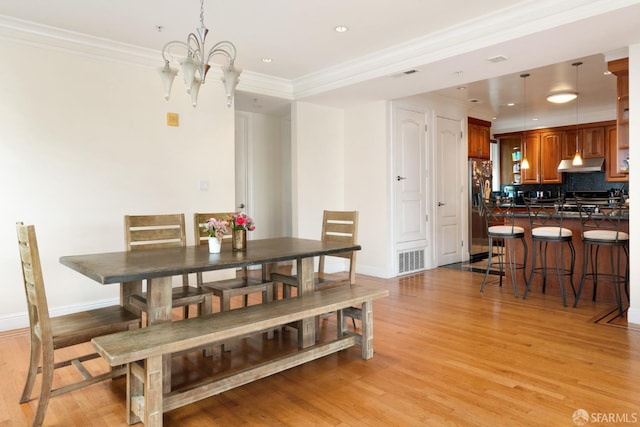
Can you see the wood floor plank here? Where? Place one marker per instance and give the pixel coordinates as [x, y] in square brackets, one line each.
[444, 355]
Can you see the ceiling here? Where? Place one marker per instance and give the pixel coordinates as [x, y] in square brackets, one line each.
[448, 44]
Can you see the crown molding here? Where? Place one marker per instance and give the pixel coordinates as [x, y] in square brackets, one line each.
[51, 38]
[507, 24]
[516, 21]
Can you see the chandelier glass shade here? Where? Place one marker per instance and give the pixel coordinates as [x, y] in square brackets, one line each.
[195, 59]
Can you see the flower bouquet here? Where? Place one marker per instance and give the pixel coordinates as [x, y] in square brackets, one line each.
[216, 229]
[240, 224]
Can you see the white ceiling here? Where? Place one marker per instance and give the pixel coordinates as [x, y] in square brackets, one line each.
[448, 43]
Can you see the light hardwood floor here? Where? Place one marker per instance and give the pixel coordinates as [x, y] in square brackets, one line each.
[444, 355]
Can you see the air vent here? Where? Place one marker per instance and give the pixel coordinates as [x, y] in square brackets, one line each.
[405, 73]
[410, 261]
[497, 58]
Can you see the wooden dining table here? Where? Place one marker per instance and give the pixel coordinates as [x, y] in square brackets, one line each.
[158, 266]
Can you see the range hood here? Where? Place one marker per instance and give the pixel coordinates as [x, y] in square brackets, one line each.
[588, 165]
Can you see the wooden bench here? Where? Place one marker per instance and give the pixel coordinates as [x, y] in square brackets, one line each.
[145, 399]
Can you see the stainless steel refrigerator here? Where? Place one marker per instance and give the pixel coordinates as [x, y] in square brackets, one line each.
[480, 177]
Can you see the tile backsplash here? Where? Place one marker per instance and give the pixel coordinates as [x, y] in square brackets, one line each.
[576, 182]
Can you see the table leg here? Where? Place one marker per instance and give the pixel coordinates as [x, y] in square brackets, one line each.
[307, 327]
[126, 290]
[159, 311]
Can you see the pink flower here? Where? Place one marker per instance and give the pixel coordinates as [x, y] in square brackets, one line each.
[242, 221]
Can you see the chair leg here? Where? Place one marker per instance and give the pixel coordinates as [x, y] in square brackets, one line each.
[585, 263]
[533, 269]
[486, 273]
[560, 271]
[34, 360]
[45, 389]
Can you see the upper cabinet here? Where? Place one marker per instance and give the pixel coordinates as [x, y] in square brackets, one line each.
[591, 142]
[545, 148]
[479, 132]
[617, 141]
[542, 151]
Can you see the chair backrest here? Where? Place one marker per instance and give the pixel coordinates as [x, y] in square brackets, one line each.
[200, 218]
[340, 226]
[602, 214]
[545, 212]
[154, 231]
[497, 212]
[39, 320]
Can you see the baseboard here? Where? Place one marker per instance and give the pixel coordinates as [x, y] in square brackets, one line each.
[13, 321]
[633, 315]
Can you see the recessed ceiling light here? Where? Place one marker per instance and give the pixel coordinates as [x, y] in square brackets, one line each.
[562, 97]
[511, 104]
[535, 119]
[266, 60]
[341, 29]
[462, 88]
[607, 73]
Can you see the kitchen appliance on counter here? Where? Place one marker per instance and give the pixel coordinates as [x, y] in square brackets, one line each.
[480, 178]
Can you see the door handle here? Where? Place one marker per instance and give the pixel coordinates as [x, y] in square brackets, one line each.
[400, 178]
[241, 206]
[441, 203]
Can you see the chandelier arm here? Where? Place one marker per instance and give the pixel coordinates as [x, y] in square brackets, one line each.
[222, 48]
[166, 48]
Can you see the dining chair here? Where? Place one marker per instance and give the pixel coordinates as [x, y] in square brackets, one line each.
[164, 231]
[545, 218]
[503, 235]
[337, 226]
[48, 334]
[242, 284]
[601, 220]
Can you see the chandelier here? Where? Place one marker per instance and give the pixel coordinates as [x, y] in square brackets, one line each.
[194, 62]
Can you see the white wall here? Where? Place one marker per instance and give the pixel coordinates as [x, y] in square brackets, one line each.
[367, 165]
[84, 142]
[633, 315]
[318, 165]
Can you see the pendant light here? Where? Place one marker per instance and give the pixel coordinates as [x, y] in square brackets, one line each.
[577, 159]
[524, 164]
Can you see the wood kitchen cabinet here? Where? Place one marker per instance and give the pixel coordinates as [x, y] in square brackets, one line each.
[545, 148]
[531, 152]
[550, 143]
[479, 135]
[617, 141]
[542, 151]
[591, 142]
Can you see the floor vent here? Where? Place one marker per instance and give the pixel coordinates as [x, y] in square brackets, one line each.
[410, 261]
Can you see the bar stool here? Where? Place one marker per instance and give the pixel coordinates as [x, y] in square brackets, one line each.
[545, 219]
[501, 228]
[601, 220]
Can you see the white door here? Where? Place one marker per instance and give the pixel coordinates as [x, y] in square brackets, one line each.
[242, 178]
[448, 197]
[409, 176]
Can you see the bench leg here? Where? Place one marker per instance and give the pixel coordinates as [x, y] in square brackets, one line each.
[135, 392]
[367, 330]
[153, 392]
